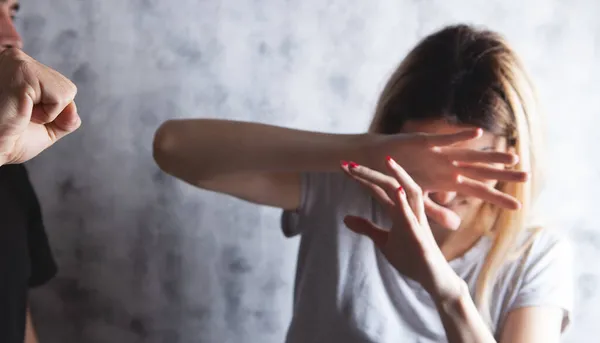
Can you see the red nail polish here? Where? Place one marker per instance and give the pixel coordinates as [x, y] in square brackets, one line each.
[389, 158]
[344, 163]
[353, 165]
[401, 190]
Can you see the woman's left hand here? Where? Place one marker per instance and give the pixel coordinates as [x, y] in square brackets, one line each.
[409, 245]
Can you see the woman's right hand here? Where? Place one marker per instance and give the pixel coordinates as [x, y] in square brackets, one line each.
[436, 166]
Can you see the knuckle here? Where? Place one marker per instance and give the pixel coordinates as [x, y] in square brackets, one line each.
[73, 88]
[414, 198]
[21, 77]
[23, 91]
[372, 187]
[392, 187]
[415, 193]
[23, 70]
[68, 87]
[424, 139]
[416, 189]
[390, 206]
[64, 92]
[420, 139]
[14, 64]
[13, 53]
[391, 182]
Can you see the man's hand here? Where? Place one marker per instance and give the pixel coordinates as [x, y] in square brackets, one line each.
[30, 334]
[37, 107]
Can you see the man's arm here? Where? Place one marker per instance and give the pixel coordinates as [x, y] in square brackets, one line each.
[30, 335]
[43, 266]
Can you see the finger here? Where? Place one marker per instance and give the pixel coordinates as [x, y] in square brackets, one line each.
[481, 190]
[378, 193]
[405, 212]
[444, 217]
[385, 182]
[66, 122]
[414, 194]
[453, 138]
[47, 88]
[366, 228]
[39, 137]
[486, 172]
[478, 156]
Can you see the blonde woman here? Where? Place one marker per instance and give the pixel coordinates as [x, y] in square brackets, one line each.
[437, 197]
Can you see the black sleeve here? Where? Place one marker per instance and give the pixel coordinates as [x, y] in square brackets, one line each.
[43, 266]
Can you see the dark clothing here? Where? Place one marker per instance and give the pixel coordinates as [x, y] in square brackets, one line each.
[25, 256]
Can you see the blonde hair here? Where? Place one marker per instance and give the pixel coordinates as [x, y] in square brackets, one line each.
[471, 76]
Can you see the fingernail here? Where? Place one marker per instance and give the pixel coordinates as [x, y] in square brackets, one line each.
[389, 158]
[344, 163]
[353, 165]
[401, 190]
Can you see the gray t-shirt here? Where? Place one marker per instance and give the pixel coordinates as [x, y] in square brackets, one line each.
[346, 291]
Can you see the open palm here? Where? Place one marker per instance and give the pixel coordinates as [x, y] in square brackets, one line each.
[409, 244]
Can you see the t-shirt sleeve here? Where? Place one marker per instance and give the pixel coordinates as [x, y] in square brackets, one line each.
[548, 278]
[43, 266]
[319, 192]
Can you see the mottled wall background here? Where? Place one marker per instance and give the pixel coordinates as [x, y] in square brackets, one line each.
[144, 258]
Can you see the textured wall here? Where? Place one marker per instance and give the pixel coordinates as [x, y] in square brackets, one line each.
[144, 258]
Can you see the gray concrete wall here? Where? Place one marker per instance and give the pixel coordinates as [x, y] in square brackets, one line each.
[144, 258]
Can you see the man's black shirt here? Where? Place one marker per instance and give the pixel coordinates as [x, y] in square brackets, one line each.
[25, 256]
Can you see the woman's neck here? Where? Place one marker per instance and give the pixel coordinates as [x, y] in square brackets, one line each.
[454, 244]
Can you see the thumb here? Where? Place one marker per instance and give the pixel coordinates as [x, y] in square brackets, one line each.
[66, 122]
[364, 227]
[446, 218]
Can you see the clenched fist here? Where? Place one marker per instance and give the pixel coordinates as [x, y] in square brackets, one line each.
[37, 107]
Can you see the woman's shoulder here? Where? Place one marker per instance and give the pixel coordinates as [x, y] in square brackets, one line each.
[543, 257]
[544, 274]
[543, 240]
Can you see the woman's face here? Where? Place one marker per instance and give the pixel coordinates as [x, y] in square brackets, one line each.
[465, 206]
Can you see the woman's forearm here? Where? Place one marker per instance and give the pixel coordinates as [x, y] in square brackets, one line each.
[209, 148]
[461, 319]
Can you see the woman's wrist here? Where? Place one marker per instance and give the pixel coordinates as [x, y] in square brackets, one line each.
[442, 282]
[326, 151]
[374, 148]
[448, 290]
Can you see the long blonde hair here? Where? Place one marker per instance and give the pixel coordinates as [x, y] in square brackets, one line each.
[471, 76]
